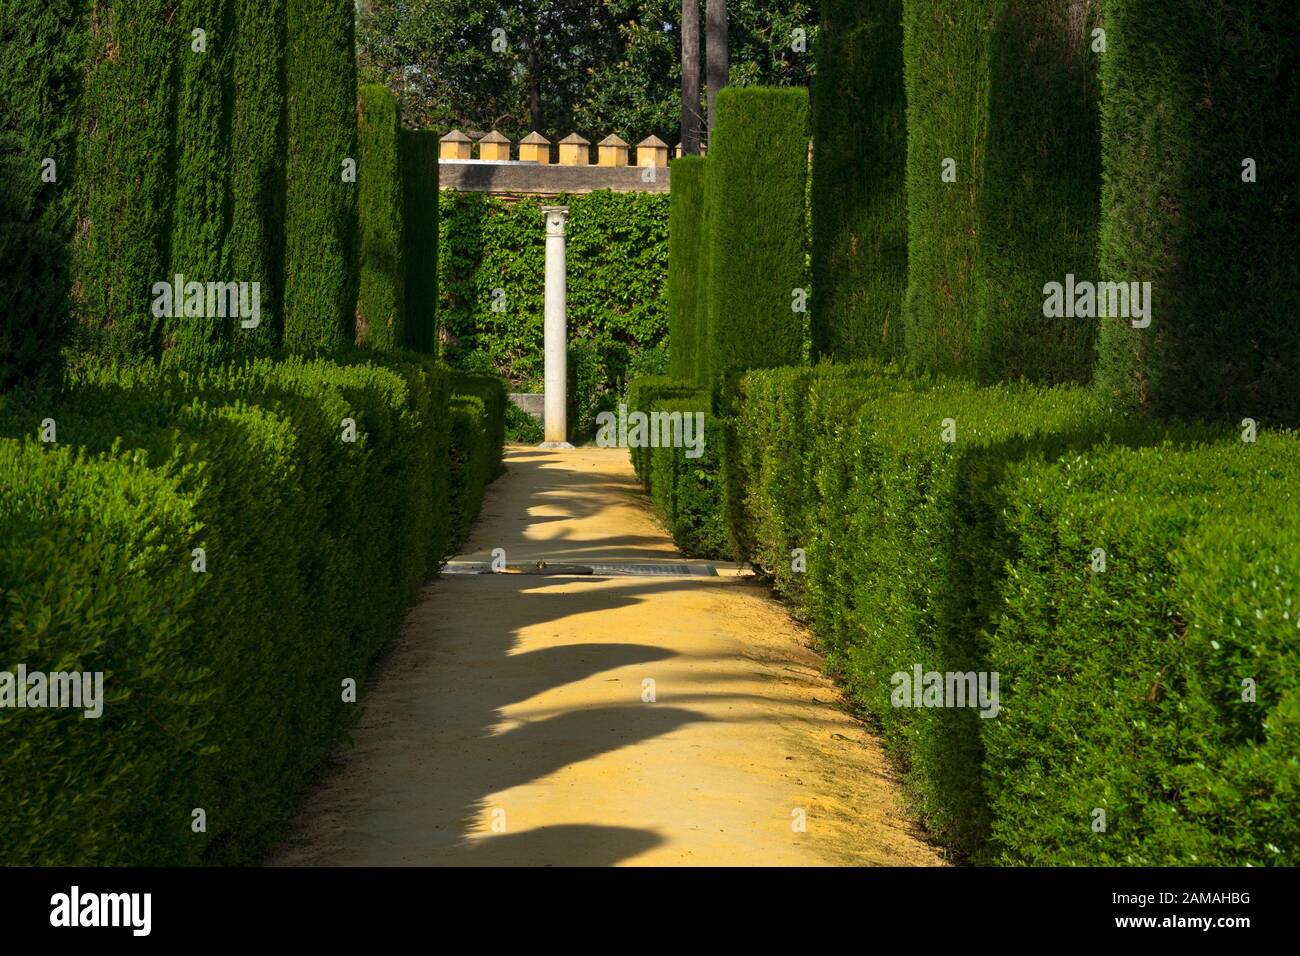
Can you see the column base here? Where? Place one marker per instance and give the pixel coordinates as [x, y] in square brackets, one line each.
[555, 444]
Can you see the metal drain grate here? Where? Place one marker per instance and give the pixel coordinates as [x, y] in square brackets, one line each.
[658, 570]
[602, 568]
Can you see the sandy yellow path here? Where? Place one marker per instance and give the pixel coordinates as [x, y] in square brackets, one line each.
[508, 725]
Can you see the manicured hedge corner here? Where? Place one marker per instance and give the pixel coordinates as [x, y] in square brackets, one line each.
[685, 483]
[381, 295]
[1124, 690]
[642, 394]
[320, 291]
[684, 236]
[859, 199]
[1190, 95]
[478, 423]
[755, 181]
[1008, 92]
[420, 231]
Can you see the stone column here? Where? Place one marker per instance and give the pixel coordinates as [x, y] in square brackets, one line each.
[556, 338]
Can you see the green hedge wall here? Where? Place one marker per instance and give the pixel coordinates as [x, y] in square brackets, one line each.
[125, 175]
[224, 688]
[686, 491]
[420, 232]
[381, 296]
[478, 425]
[254, 244]
[685, 209]
[320, 286]
[41, 64]
[642, 394]
[1007, 90]
[1119, 690]
[617, 298]
[202, 175]
[1190, 93]
[755, 183]
[1123, 690]
[859, 198]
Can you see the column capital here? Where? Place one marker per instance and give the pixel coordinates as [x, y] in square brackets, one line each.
[556, 217]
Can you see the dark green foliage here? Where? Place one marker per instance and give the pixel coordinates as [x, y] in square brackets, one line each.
[685, 215]
[70, 787]
[685, 490]
[314, 547]
[420, 231]
[42, 49]
[859, 199]
[254, 250]
[588, 391]
[1191, 91]
[1007, 90]
[642, 394]
[320, 287]
[755, 182]
[617, 251]
[478, 426]
[381, 294]
[1123, 690]
[1120, 689]
[126, 161]
[202, 174]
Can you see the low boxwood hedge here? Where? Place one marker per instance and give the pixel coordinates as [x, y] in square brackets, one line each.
[686, 491]
[1162, 691]
[224, 688]
[478, 428]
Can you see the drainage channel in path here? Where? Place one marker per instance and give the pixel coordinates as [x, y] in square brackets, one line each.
[675, 569]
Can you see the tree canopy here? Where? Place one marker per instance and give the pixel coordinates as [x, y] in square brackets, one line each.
[593, 67]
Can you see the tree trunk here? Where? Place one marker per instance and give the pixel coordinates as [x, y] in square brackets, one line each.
[534, 89]
[716, 52]
[691, 120]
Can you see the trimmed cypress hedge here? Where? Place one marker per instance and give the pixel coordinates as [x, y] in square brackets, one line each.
[1007, 90]
[42, 48]
[1190, 93]
[125, 176]
[381, 295]
[255, 241]
[320, 289]
[859, 198]
[685, 209]
[223, 688]
[755, 182]
[202, 175]
[420, 231]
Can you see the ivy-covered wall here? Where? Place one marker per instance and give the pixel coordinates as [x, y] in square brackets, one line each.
[491, 282]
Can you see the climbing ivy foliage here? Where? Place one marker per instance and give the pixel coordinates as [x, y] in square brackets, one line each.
[492, 279]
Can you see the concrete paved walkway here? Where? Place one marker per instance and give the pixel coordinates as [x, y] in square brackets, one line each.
[511, 723]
